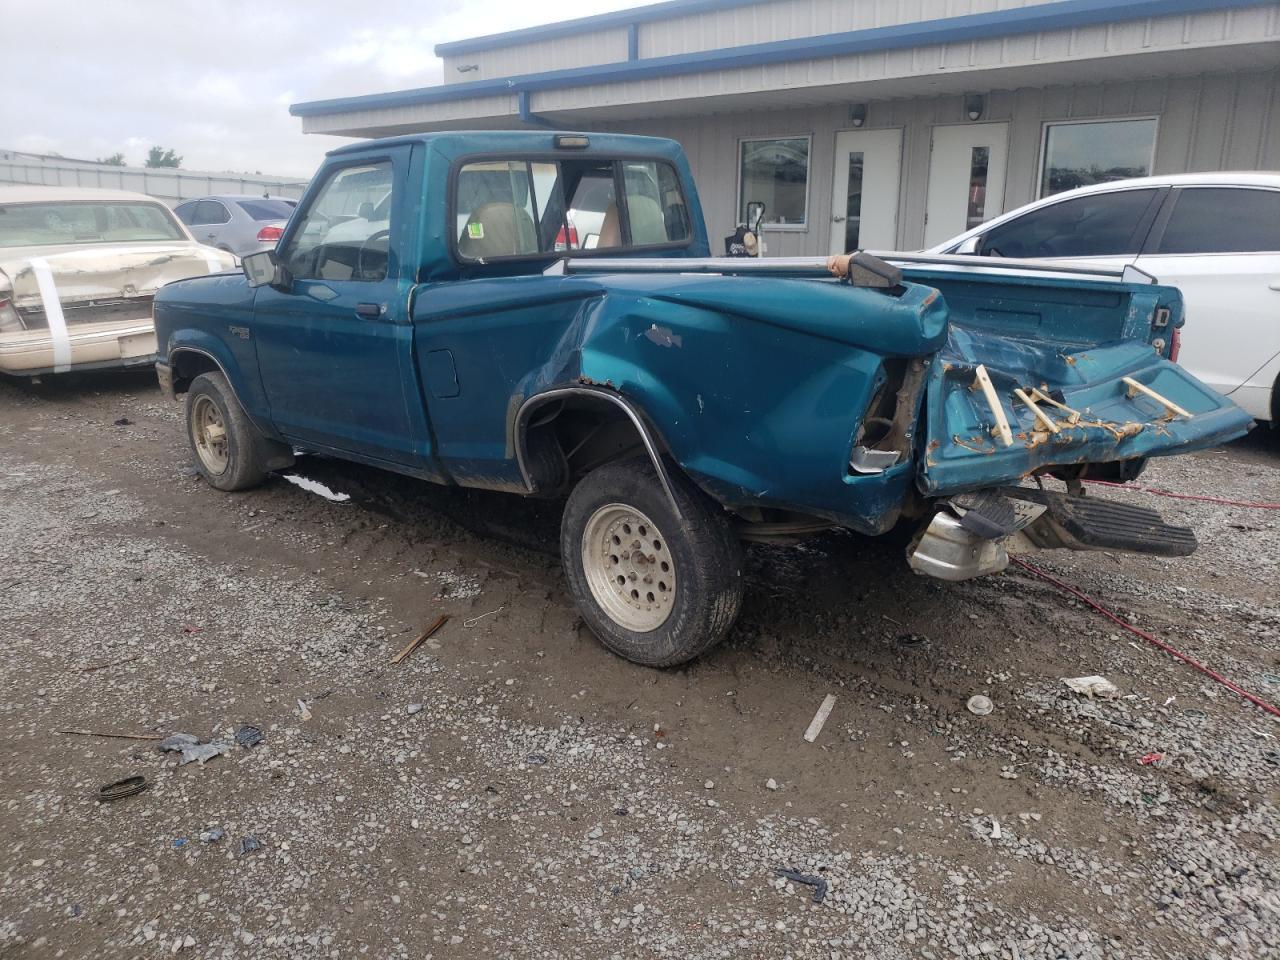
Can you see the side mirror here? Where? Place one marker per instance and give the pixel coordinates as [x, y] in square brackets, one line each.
[264, 270]
[970, 246]
[755, 216]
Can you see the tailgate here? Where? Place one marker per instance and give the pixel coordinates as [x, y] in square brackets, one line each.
[1070, 369]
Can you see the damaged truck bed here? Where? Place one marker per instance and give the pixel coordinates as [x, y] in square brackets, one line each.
[680, 404]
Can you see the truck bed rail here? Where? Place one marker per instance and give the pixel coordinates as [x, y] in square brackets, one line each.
[817, 266]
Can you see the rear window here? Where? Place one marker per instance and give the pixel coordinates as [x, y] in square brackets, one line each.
[38, 224]
[1223, 220]
[512, 208]
[266, 209]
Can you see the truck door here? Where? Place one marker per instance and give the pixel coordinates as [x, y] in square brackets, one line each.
[335, 347]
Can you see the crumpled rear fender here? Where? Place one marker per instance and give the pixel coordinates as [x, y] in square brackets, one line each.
[755, 413]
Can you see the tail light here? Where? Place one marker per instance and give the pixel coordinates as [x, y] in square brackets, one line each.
[1175, 344]
[270, 234]
[567, 240]
[9, 319]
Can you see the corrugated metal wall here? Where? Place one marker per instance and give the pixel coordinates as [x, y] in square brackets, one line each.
[784, 20]
[1212, 122]
[170, 185]
[736, 26]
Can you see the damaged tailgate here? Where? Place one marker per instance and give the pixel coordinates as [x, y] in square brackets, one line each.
[1043, 371]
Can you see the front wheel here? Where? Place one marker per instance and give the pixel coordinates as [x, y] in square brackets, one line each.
[224, 442]
[654, 587]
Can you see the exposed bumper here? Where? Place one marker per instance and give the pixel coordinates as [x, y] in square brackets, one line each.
[92, 345]
[972, 535]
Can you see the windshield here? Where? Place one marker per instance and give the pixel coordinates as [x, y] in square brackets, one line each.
[266, 209]
[38, 224]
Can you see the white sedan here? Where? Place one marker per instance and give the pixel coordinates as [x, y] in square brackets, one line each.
[1214, 236]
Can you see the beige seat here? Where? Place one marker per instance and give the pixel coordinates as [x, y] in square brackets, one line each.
[504, 231]
[648, 226]
[610, 230]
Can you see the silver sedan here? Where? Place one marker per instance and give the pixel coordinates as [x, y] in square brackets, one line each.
[238, 223]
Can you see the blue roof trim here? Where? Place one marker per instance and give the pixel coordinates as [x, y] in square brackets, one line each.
[1064, 14]
[601, 21]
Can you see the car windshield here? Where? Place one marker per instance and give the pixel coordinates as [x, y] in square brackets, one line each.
[266, 208]
[38, 224]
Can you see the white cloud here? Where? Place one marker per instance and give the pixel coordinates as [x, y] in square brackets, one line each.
[214, 82]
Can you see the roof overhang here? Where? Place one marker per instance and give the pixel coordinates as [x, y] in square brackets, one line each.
[1061, 15]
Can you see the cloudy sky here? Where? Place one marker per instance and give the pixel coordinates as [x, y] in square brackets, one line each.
[213, 81]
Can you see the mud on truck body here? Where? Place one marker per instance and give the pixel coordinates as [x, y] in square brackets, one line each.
[435, 309]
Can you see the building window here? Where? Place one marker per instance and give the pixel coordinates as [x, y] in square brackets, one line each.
[1096, 151]
[776, 173]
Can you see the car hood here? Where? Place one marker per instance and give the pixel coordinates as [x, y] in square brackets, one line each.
[102, 272]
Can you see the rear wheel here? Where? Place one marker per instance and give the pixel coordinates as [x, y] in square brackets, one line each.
[223, 441]
[654, 587]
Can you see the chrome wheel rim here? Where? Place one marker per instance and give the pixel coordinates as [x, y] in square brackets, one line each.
[629, 567]
[210, 435]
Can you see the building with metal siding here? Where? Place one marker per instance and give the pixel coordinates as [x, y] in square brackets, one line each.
[878, 123]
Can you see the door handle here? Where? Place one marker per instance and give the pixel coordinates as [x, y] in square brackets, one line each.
[837, 219]
[368, 311]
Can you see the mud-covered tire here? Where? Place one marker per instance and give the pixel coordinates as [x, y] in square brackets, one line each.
[693, 562]
[235, 460]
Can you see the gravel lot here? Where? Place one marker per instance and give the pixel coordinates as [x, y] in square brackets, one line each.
[512, 790]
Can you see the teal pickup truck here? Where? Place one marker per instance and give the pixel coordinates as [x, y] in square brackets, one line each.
[537, 312]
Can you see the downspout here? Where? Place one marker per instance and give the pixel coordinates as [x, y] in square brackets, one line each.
[527, 115]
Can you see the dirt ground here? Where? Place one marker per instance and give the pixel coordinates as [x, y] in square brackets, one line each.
[513, 790]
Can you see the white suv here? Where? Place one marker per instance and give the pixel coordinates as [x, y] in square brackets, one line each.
[1214, 236]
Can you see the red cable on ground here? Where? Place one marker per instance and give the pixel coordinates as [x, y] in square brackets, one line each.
[1234, 688]
[1188, 496]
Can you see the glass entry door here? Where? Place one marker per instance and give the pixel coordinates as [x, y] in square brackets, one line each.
[966, 178]
[864, 204]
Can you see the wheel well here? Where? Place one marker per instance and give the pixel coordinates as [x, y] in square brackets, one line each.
[571, 434]
[187, 365]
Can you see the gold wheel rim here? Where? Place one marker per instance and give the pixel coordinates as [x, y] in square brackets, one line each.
[210, 435]
[629, 567]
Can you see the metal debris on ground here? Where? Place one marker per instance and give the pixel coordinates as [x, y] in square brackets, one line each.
[191, 748]
[200, 752]
[820, 718]
[474, 620]
[1092, 687]
[1150, 758]
[818, 883]
[979, 705]
[212, 835]
[177, 742]
[249, 843]
[535, 759]
[113, 736]
[248, 736]
[440, 621]
[128, 787]
[302, 709]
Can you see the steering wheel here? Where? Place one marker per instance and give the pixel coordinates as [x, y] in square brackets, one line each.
[364, 246]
